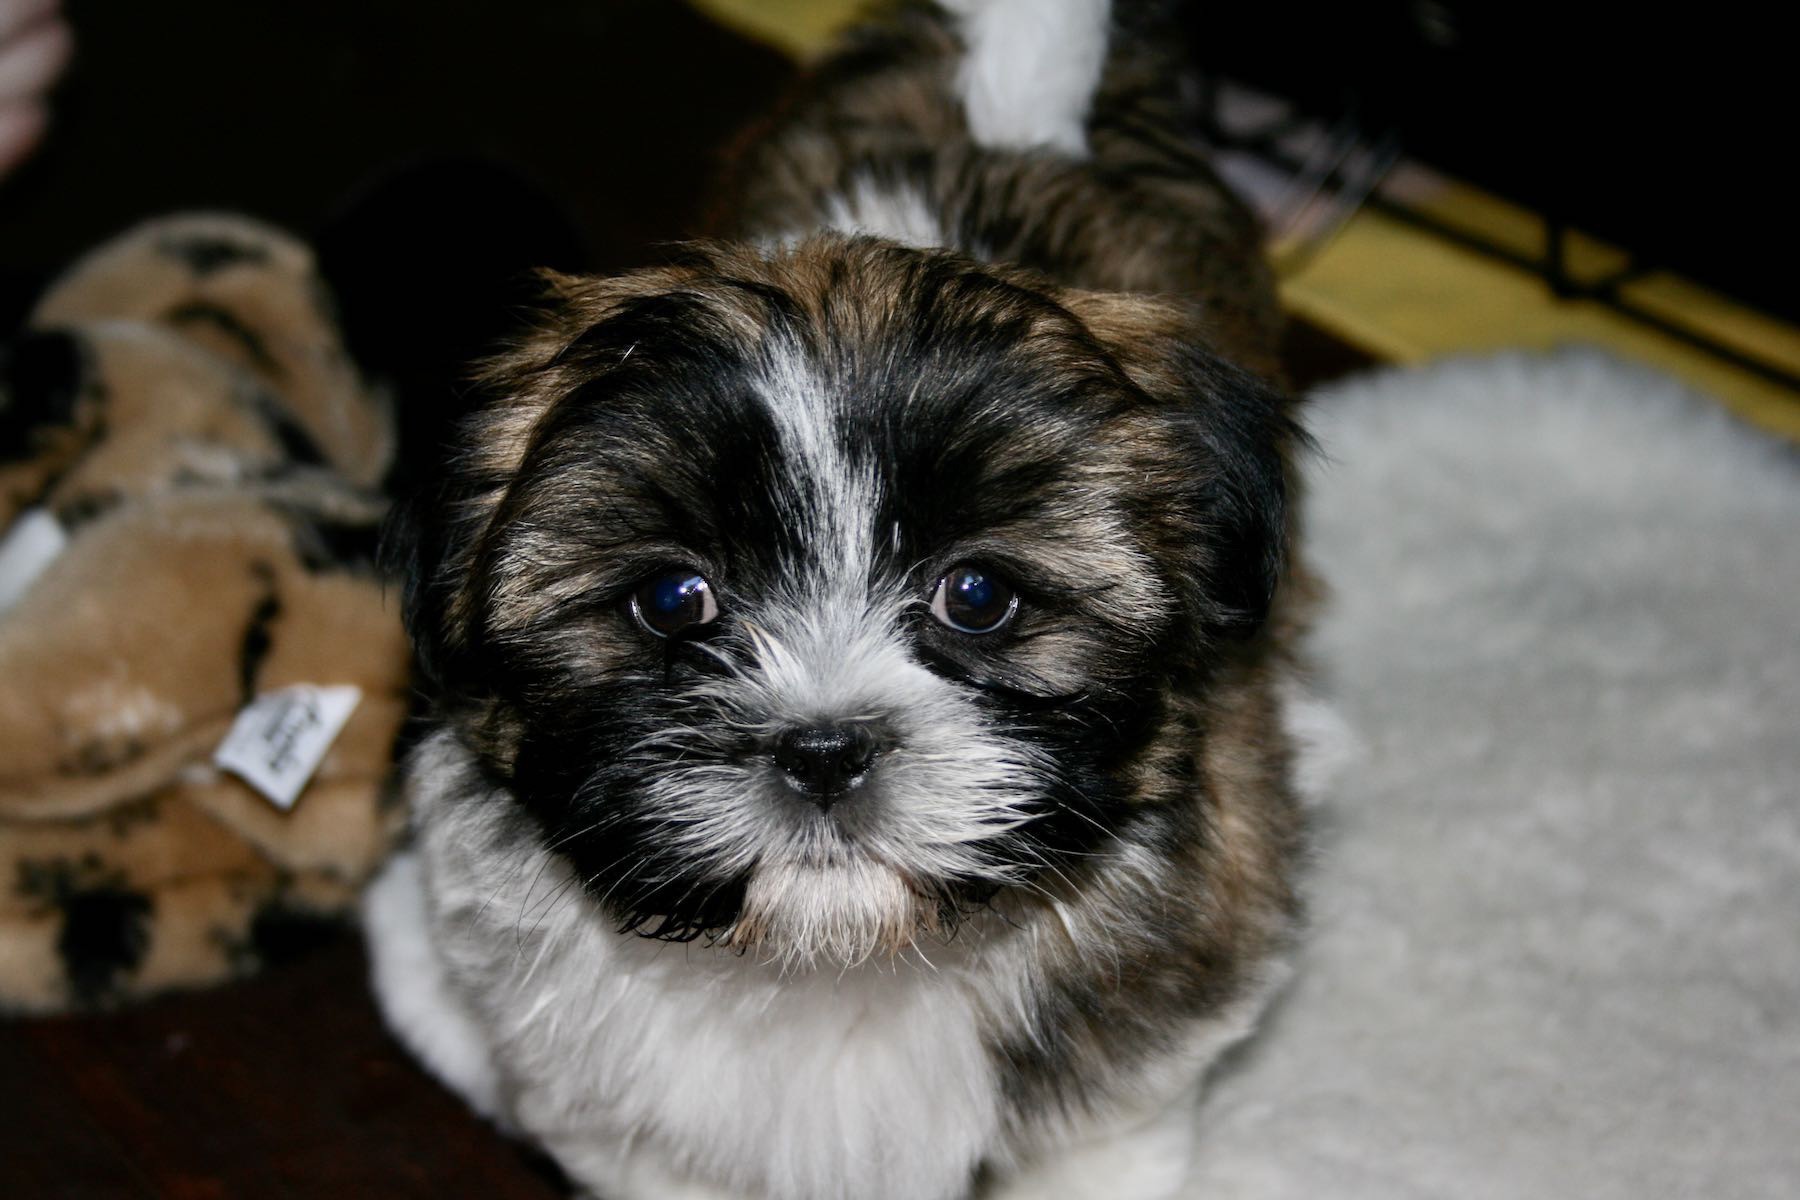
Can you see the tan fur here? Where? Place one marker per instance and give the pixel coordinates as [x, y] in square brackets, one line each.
[276, 294]
[190, 530]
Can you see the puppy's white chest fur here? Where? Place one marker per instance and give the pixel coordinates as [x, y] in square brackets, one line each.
[625, 1056]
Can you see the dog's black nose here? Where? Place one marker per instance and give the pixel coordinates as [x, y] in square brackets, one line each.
[825, 760]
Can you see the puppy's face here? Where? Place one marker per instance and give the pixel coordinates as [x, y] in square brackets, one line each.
[809, 599]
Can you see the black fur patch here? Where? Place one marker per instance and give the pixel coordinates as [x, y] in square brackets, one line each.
[258, 636]
[77, 511]
[105, 925]
[325, 544]
[104, 754]
[246, 338]
[42, 381]
[105, 934]
[296, 443]
[205, 254]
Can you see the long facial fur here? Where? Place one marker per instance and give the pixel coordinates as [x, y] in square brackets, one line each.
[1093, 809]
[848, 460]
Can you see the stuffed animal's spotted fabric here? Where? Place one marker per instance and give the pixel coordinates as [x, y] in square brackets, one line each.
[181, 406]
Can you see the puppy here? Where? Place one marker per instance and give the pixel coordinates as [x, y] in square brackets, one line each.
[857, 764]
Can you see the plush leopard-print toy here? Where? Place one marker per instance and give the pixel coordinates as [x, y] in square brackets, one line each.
[181, 406]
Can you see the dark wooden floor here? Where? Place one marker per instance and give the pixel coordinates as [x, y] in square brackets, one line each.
[287, 1085]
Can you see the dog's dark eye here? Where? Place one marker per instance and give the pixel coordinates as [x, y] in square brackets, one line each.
[668, 603]
[969, 600]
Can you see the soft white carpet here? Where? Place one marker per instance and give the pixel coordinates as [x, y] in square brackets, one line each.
[1556, 944]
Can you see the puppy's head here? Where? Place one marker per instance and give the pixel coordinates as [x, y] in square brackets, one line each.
[808, 598]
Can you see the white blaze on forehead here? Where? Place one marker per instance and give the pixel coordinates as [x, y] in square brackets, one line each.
[835, 497]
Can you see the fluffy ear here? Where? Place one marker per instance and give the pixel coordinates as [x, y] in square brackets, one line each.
[432, 543]
[414, 539]
[1234, 434]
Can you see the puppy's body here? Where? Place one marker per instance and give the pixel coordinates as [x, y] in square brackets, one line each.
[997, 962]
[934, 129]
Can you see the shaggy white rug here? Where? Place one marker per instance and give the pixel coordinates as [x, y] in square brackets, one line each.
[1556, 905]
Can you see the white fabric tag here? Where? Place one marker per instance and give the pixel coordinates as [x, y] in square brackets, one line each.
[32, 544]
[279, 738]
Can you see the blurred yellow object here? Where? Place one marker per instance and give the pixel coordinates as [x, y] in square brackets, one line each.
[798, 28]
[1407, 295]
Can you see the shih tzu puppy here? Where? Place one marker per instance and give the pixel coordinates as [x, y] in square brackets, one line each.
[857, 650]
